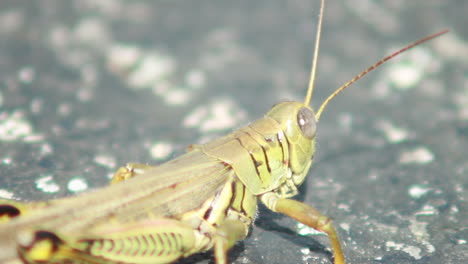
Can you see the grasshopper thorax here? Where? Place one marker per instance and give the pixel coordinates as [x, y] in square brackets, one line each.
[299, 126]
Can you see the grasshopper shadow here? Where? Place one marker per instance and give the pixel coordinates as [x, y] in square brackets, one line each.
[208, 256]
[268, 221]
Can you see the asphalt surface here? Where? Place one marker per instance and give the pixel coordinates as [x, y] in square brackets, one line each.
[86, 86]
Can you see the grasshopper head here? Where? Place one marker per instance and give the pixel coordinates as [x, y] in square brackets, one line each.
[299, 126]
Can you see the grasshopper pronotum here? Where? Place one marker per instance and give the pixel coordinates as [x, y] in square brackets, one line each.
[204, 199]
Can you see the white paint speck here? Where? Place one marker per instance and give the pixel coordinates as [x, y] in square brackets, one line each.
[344, 207]
[36, 105]
[123, 57]
[454, 209]
[14, 126]
[11, 20]
[410, 69]
[417, 191]
[93, 32]
[452, 46]
[413, 251]
[222, 113]
[46, 149]
[244, 260]
[64, 109]
[195, 78]
[419, 155]
[33, 138]
[345, 226]
[47, 184]
[5, 194]
[393, 245]
[428, 210]
[152, 68]
[304, 230]
[393, 133]
[77, 185]
[26, 75]
[85, 94]
[404, 76]
[429, 247]
[161, 150]
[305, 254]
[105, 160]
[59, 37]
[419, 229]
[195, 117]
[177, 96]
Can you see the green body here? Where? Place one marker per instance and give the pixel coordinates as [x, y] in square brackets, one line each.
[204, 199]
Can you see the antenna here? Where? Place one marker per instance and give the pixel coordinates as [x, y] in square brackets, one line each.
[366, 71]
[313, 70]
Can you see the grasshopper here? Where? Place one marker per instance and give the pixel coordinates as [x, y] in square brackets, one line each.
[204, 199]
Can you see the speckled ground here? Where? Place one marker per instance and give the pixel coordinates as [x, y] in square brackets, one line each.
[86, 86]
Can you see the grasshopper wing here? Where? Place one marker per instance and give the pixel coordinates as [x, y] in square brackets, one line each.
[176, 187]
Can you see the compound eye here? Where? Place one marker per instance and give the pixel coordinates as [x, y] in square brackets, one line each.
[306, 121]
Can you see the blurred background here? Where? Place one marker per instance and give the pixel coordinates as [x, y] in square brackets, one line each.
[87, 86]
